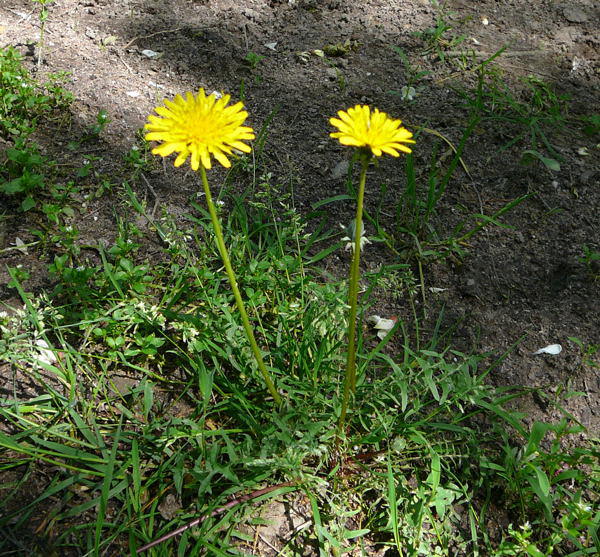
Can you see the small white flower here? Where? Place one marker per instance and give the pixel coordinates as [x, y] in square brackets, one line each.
[46, 355]
[349, 237]
[408, 93]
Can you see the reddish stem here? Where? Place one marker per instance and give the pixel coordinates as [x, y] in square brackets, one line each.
[202, 518]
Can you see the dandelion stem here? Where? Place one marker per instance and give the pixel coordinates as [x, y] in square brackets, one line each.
[350, 379]
[236, 291]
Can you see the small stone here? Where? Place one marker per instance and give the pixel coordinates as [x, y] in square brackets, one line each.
[588, 176]
[331, 73]
[251, 14]
[340, 170]
[122, 384]
[575, 14]
[566, 34]
[151, 53]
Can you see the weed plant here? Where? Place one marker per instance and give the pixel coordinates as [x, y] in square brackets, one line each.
[526, 118]
[146, 410]
[23, 102]
[437, 39]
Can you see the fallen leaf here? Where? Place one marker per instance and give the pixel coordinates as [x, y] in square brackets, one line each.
[383, 326]
[436, 290]
[109, 40]
[20, 245]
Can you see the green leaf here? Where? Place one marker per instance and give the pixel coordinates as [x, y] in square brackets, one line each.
[533, 551]
[433, 479]
[27, 203]
[350, 534]
[538, 431]
[529, 155]
[542, 484]
[334, 199]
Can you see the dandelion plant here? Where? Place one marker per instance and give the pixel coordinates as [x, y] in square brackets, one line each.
[201, 127]
[373, 133]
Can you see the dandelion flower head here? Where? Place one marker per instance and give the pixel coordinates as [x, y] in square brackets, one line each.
[359, 127]
[200, 127]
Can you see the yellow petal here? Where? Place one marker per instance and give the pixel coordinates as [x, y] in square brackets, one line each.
[201, 126]
[360, 126]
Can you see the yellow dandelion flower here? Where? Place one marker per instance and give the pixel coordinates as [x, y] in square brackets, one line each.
[359, 127]
[198, 127]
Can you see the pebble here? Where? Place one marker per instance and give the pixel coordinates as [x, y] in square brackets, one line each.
[575, 14]
[331, 73]
[340, 170]
[251, 14]
[151, 53]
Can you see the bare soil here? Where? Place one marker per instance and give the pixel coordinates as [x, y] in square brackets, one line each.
[524, 283]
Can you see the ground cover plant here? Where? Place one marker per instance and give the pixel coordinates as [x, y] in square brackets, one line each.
[143, 412]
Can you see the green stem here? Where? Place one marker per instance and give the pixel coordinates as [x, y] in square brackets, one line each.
[236, 291]
[350, 379]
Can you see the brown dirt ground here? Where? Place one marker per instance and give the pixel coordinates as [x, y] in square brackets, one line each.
[526, 280]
